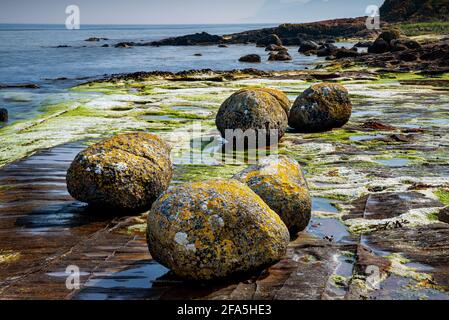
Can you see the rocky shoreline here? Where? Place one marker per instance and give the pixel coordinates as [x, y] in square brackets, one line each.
[357, 187]
[374, 183]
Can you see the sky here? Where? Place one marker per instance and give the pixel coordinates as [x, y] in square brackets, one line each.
[182, 11]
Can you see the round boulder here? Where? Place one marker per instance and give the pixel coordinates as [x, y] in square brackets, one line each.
[379, 46]
[280, 56]
[256, 109]
[321, 107]
[125, 173]
[214, 229]
[280, 182]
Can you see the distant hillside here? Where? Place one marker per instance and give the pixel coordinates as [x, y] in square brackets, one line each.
[415, 10]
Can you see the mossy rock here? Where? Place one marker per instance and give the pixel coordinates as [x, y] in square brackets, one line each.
[214, 229]
[280, 182]
[125, 173]
[256, 109]
[321, 107]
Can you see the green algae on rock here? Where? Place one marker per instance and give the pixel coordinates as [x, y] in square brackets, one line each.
[280, 182]
[321, 107]
[213, 229]
[253, 109]
[126, 173]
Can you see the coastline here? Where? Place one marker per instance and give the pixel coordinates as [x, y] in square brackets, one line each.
[379, 184]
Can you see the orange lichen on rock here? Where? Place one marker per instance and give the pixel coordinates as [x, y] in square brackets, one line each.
[280, 182]
[228, 229]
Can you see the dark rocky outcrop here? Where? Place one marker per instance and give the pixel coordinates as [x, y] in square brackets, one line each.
[202, 38]
[95, 39]
[443, 215]
[321, 107]
[280, 56]
[346, 53]
[308, 46]
[125, 173]
[214, 229]
[280, 182]
[379, 46]
[408, 55]
[363, 44]
[20, 85]
[274, 47]
[252, 58]
[414, 10]
[284, 34]
[125, 45]
[254, 109]
[269, 40]
[326, 50]
[3, 115]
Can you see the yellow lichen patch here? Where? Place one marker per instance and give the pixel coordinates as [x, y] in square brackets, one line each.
[9, 256]
[279, 181]
[277, 94]
[252, 109]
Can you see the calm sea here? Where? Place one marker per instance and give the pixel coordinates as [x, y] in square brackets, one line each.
[30, 54]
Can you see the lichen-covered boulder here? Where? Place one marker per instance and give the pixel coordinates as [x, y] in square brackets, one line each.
[125, 173]
[280, 182]
[257, 109]
[213, 229]
[269, 40]
[321, 107]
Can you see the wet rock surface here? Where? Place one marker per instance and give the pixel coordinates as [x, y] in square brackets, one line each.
[251, 58]
[43, 230]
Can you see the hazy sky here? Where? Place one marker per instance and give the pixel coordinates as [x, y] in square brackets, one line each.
[181, 11]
